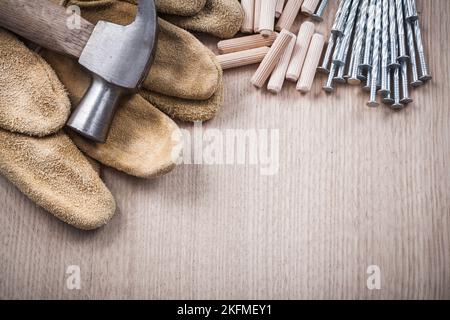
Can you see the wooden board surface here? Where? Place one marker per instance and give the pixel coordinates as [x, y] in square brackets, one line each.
[355, 187]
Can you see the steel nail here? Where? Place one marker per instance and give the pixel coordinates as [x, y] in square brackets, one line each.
[328, 87]
[416, 82]
[406, 99]
[339, 25]
[349, 66]
[379, 77]
[318, 15]
[367, 63]
[412, 14]
[425, 75]
[361, 77]
[376, 57]
[339, 78]
[387, 99]
[358, 43]
[342, 53]
[397, 103]
[403, 56]
[393, 63]
[328, 54]
[368, 82]
[385, 48]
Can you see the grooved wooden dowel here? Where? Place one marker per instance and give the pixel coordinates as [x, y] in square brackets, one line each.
[279, 8]
[310, 6]
[301, 48]
[242, 58]
[311, 63]
[289, 14]
[279, 73]
[245, 43]
[267, 17]
[257, 16]
[249, 13]
[271, 59]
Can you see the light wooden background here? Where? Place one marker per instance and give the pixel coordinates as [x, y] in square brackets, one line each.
[356, 187]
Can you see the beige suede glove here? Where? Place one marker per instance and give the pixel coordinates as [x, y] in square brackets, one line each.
[220, 18]
[45, 164]
[32, 100]
[180, 7]
[185, 80]
[48, 168]
[142, 141]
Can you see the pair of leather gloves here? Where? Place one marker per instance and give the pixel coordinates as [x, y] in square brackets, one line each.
[59, 170]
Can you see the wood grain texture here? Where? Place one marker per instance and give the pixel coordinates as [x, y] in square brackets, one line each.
[46, 24]
[356, 187]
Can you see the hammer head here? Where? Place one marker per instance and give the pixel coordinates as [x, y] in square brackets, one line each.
[119, 57]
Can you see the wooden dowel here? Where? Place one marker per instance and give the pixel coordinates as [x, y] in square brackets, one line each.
[257, 16]
[249, 13]
[279, 8]
[245, 43]
[301, 48]
[267, 17]
[289, 14]
[271, 59]
[311, 63]
[242, 58]
[279, 73]
[310, 6]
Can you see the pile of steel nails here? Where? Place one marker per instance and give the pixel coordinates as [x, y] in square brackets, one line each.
[375, 43]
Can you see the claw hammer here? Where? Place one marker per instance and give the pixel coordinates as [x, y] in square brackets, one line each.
[118, 57]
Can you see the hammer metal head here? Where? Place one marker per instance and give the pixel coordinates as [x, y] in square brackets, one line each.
[119, 58]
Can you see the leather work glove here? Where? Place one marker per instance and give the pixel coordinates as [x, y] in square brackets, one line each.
[185, 80]
[220, 18]
[32, 100]
[44, 163]
[180, 7]
[38, 158]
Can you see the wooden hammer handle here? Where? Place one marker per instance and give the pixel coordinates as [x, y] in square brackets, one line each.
[46, 24]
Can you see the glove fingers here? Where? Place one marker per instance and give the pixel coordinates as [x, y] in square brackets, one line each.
[32, 99]
[221, 18]
[142, 142]
[54, 174]
[186, 110]
[182, 67]
[189, 110]
[180, 7]
[95, 165]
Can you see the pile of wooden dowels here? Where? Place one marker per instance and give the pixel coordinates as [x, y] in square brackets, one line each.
[377, 43]
[282, 55]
